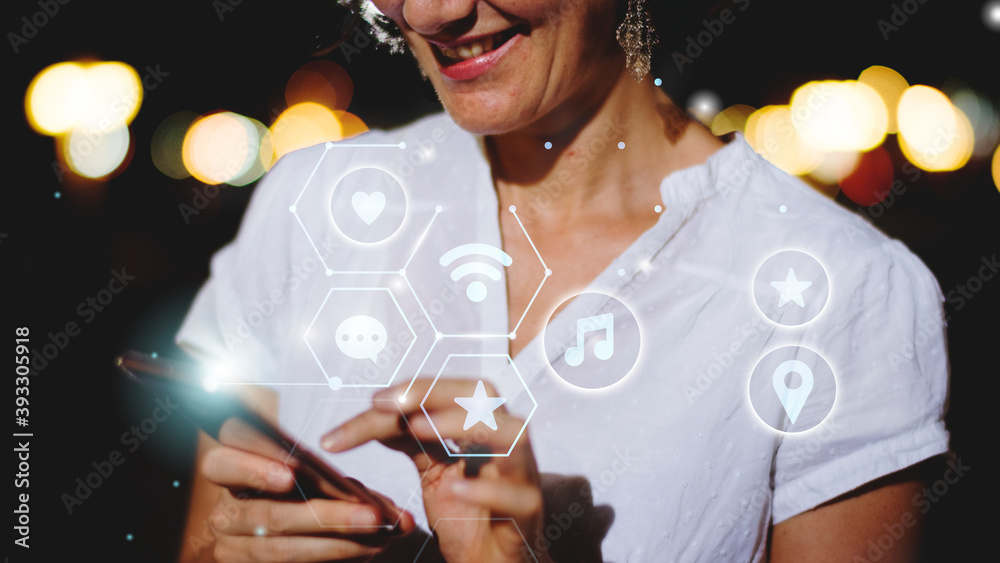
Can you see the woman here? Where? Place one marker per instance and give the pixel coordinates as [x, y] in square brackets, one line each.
[589, 180]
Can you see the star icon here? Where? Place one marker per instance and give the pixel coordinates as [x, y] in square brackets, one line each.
[791, 289]
[480, 407]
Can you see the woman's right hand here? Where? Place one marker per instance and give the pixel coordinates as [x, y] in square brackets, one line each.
[275, 523]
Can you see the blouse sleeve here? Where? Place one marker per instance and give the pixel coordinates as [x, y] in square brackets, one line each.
[224, 328]
[885, 340]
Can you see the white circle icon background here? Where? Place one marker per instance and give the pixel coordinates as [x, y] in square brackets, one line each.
[791, 288]
[792, 389]
[594, 342]
[368, 205]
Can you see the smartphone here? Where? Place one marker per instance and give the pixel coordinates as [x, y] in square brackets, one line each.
[212, 411]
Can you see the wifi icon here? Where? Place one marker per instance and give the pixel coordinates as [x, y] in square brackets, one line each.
[476, 291]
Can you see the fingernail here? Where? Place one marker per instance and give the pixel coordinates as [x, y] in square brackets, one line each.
[331, 440]
[363, 517]
[278, 475]
[460, 487]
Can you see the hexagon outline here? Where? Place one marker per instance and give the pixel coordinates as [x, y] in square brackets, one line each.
[438, 521]
[293, 208]
[295, 446]
[523, 384]
[402, 359]
[546, 272]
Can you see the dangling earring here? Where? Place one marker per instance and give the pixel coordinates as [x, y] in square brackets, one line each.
[637, 36]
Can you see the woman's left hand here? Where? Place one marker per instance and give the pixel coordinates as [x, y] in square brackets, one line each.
[484, 518]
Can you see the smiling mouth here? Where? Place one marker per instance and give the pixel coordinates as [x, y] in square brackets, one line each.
[461, 52]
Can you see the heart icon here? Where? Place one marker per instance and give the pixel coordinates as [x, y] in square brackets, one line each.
[368, 206]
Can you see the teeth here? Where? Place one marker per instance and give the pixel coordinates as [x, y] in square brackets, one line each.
[471, 50]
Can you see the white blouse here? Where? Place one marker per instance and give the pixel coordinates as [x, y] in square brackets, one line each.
[757, 352]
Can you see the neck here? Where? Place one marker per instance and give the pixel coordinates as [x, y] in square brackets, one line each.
[585, 170]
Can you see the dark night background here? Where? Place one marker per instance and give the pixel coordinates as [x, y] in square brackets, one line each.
[59, 252]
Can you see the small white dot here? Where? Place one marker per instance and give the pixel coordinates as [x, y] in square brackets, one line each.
[658, 82]
[621, 144]
[291, 208]
[261, 530]
[658, 209]
[621, 272]
[548, 145]
[335, 383]
[402, 272]
[548, 272]
[783, 209]
[512, 336]
[329, 272]
[402, 398]
[438, 336]
[329, 145]
[438, 209]
[512, 208]
[402, 145]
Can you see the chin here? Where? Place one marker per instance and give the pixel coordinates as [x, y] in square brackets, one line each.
[487, 113]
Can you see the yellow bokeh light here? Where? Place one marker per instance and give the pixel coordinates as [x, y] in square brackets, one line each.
[890, 86]
[733, 118]
[220, 147]
[262, 158]
[352, 124]
[95, 153]
[839, 116]
[996, 168]
[933, 134]
[67, 96]
[57, 97]
[304, 125]
[771, 133]
[115, 96]
[836, 166]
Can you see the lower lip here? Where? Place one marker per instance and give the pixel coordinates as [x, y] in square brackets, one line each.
[474, 68]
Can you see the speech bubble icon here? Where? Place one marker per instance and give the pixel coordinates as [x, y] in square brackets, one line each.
[361, 337]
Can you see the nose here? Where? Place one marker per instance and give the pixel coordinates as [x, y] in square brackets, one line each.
[429, 17]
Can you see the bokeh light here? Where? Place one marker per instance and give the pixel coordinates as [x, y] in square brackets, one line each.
[733, 118]
[352, 124]
[321, 82]
[57, 97]
[93, 153]
[933, 134]
[260, 155]
[996, 168]
[871, 180]
[303, 125]
[100, 96]
[983, 117]
[991, 15]
[115, 96]
[220, 147]
[167, 145]
[835, 166]
[890, 86]
[770, 132]
[839, 116]
[704, 105]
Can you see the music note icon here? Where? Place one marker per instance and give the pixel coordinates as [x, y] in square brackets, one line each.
[603, 349]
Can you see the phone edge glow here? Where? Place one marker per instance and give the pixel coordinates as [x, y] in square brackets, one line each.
[139, 367]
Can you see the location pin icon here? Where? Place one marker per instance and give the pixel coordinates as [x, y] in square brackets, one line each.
[793, 399]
